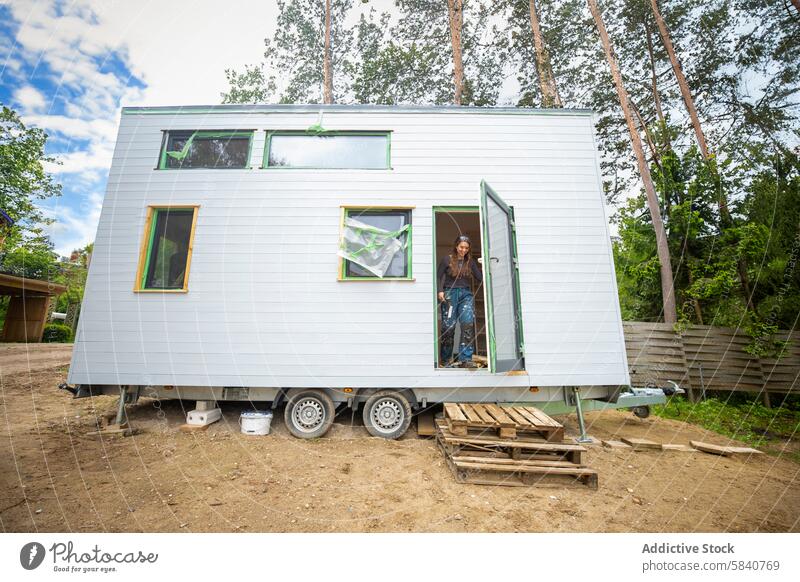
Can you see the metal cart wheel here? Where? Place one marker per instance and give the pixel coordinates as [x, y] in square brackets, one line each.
[309, 414]
[641, 411]
[387, 414]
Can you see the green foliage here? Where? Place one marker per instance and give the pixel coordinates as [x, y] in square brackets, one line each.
[407, 60]
[23, 179]
[295, 55]
[57, 333]
[35, 260]
[738, 416]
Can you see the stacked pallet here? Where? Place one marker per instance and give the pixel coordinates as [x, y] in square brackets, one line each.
[507, 422]
[488, 445]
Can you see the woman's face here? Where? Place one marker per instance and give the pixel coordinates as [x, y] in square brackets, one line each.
[462, 248]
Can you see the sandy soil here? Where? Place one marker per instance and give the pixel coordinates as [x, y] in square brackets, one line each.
[54, 477]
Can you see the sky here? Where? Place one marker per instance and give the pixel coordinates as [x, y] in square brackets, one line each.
[69, 66]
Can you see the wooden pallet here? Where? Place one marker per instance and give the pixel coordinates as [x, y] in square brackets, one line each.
[507, 422]
[530, 462]
[522, 447]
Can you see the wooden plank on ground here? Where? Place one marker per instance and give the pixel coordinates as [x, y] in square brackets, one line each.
[614, 444]
[724, 450]
[193, 427]
[641, 444]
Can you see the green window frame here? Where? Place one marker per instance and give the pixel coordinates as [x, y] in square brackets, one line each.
[147, 245]
[344, 271]
[200, 134]
[334, 133]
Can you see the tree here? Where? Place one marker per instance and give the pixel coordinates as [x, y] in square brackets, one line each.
[455, 13]
[547, 82]
[676, 67]
[327, 65]
[23, 179]
[667, 288]
[311, 44]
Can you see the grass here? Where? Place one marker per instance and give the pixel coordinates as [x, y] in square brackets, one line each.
[742, 417]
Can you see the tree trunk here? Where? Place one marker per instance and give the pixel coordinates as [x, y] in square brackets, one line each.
[455, 9]
[796, 4]
[724, 212]
[684, 86]
[654, 88]
[667, 288]
[695, 302]
[651, 144]
[327, 67]
[547, 82]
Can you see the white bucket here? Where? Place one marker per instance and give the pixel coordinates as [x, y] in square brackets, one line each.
[255, 422]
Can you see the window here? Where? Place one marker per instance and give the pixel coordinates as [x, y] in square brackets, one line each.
[330, 150]
[205, 149]
[166, 249]
[375, 244]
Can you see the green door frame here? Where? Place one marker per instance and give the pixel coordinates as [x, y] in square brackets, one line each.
[436, 210]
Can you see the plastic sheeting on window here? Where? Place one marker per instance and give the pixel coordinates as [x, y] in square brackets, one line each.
[371, 247]
[182, 153]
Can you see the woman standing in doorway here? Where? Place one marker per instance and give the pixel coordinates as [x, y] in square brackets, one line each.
[454, 277]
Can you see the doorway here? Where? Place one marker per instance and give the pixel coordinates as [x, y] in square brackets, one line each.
[450, 222]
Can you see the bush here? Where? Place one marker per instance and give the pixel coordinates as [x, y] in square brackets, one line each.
[57, 332]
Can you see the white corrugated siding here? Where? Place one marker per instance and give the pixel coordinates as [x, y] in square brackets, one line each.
[264, 307]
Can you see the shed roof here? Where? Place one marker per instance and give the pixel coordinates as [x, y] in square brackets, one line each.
[13, 285]
[336, 108]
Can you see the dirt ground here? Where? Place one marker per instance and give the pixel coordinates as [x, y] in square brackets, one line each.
[54, 477]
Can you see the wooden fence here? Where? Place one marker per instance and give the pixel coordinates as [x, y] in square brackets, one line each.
[708, 358]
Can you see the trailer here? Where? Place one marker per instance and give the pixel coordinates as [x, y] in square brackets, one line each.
[287, 254]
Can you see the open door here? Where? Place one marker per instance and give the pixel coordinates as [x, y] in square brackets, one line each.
[501, 283]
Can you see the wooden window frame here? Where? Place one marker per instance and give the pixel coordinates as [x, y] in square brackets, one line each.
[333, 133]
[341, 271]
[147, 244]
[250, 133]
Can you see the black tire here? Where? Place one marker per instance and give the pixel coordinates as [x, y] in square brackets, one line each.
[387, 414]
[641, 411]
[309, 414]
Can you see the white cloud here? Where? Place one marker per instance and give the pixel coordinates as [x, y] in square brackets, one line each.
[178, 49]
[98, 157]
[103, 130]
[30, 99]
[74, 229]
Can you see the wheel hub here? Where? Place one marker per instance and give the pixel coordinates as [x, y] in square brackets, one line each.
[308, 415]
[387, 415]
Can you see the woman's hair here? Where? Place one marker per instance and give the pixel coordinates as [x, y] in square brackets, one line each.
[466, 267]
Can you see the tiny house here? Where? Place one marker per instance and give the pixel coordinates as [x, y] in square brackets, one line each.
[287, 254]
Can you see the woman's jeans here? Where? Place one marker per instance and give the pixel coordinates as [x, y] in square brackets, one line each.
[463, 312]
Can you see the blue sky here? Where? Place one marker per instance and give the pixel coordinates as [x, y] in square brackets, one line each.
[69, 66]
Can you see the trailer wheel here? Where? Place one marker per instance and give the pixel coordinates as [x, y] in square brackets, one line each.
[309, 414]
[387, 414]
[641, 411]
